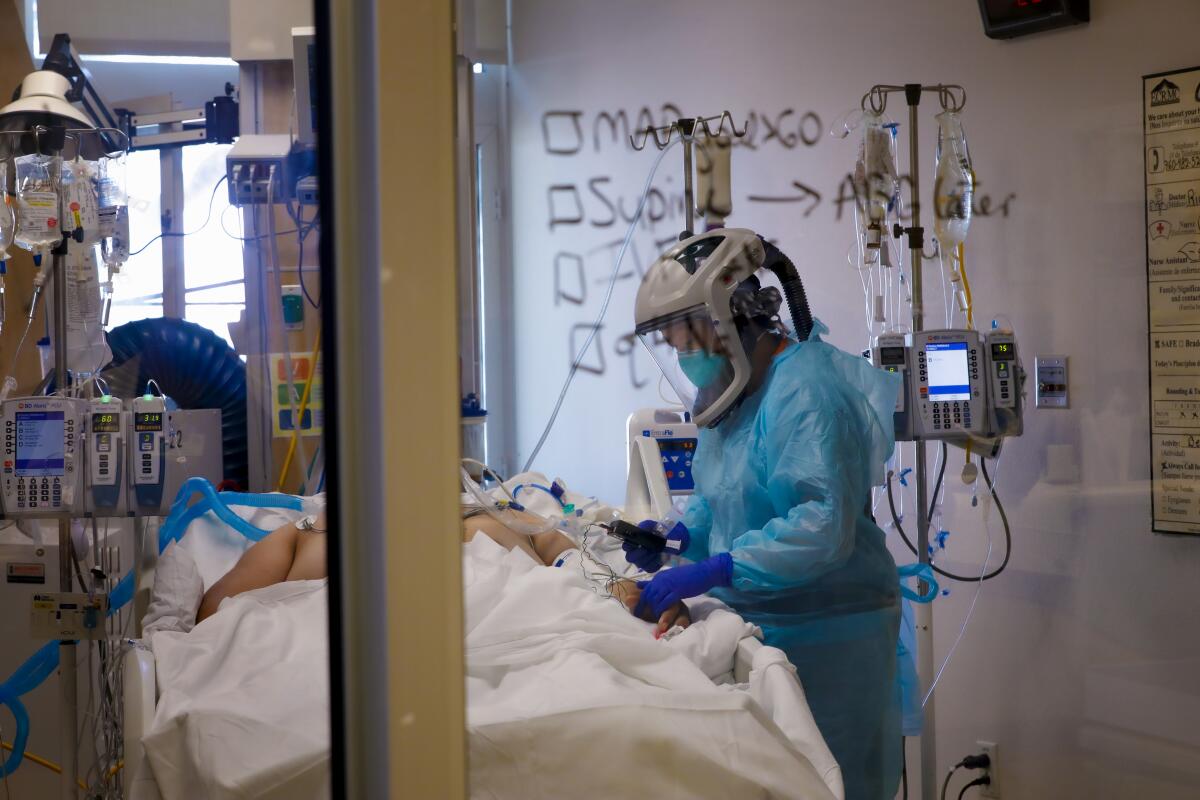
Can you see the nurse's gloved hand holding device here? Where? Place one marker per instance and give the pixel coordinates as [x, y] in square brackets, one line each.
[679, 583]
[649, 542]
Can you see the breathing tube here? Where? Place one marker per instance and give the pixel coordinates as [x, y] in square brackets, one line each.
[793, 289]
[44, 661]
[504, 511]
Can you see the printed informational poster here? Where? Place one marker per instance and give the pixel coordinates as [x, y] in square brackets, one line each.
[1171, 124]
[312, 420]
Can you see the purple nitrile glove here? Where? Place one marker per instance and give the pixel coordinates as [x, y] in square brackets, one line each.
[648, 560]
[679, 583]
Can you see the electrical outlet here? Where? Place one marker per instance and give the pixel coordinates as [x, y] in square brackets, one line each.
[993, 770]
[256, 162]
[307, 193]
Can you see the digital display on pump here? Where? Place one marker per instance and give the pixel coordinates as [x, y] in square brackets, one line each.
[891, 356]
[40, 450]
[949, 375]
[1002, 351]
[148, 421]
[107, 422]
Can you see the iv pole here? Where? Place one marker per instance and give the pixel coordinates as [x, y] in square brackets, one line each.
[877, 99]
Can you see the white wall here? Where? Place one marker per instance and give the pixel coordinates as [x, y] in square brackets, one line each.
[1081, 660]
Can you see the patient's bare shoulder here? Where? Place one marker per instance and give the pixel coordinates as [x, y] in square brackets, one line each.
[309, 563]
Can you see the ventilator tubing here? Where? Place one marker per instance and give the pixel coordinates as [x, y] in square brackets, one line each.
[38, 667]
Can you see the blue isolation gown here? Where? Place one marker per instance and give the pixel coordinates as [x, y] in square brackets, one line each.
[783, 485]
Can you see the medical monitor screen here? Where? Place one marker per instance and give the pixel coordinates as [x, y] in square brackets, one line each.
[949, 377]
[39, 444]
[1002, 351]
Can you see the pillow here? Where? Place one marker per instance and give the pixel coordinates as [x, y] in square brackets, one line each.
[178, 590]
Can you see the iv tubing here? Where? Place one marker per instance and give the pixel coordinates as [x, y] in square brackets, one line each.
[299, 414]
[962, 270]
[287, 348]
[970, 612]
[612, 282]
[494, 510]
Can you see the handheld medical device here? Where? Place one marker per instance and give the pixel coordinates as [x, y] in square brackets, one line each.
[628, 532]
[957, 384]
[148, 450]
[106, 452]
[42, 448]
[660, 445]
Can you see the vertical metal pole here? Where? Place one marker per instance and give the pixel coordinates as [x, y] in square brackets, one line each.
[68, 708]
[351, 250]
[689, 201]
[172, 211]
[469, 333]
[924, 611]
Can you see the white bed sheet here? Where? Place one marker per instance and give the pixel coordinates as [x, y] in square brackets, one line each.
[569, 695]
[243, 709]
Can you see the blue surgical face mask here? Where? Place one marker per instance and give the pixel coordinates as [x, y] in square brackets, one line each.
[702, 367]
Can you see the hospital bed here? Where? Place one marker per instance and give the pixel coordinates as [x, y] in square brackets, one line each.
[235, 707]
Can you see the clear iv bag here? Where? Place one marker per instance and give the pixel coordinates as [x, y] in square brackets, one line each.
[876, 184]
[953, 183]
[879, 158]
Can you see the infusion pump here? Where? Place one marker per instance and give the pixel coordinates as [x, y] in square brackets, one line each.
[661, 445]
[43, 447]
[957, 384]
[75, 457]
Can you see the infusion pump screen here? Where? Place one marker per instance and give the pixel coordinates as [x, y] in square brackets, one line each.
[949, 378]
[148, 421]
[106, 423]
[39, 443]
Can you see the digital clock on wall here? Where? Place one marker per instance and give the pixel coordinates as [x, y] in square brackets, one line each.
[1007, 19]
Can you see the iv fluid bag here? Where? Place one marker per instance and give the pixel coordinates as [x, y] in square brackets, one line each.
[87, 347]
[879, 161]
[953, 183]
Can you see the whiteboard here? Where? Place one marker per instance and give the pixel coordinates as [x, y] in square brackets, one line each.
[1076, 660]
[576, 183]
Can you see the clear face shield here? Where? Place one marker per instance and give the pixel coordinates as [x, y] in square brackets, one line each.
[696, 356]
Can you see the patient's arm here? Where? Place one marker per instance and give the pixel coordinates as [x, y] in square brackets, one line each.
[547, 547]
[285, 554]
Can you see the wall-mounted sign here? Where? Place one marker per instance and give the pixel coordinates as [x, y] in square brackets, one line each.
[1171, 127]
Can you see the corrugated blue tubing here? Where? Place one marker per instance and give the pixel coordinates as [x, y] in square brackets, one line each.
[38, 667]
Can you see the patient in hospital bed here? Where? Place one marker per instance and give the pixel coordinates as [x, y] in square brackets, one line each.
[296, 552]
[549, 549]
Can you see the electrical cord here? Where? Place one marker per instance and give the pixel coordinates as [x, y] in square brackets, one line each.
[203, 225]
[949, 775]
[221, 219]
[980, 761]
[944, 573]
[301, 235]
[982, 781]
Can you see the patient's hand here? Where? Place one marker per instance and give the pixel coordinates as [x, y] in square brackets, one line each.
[628, 593]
